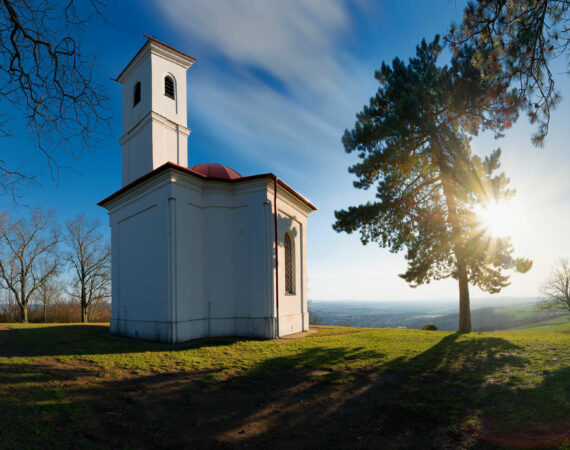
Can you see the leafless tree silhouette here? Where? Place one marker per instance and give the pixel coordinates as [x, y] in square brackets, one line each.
[46, 76]
[90, 260]
[556, 288]
[28, 255]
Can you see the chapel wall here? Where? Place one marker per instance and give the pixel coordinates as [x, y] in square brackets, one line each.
[133, 114]
[137, 154]
[173, 109]
[167, 143]
[223, 268]
[140, 306]
[292, 219]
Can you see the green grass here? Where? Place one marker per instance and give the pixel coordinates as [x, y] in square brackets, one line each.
[516, 312]
[467, 383]
[556, 324]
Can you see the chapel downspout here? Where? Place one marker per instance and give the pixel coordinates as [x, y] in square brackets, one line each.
[276, 257]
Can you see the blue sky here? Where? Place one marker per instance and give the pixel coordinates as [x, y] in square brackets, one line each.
[274, 87]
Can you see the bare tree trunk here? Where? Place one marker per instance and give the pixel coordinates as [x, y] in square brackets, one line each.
[45, 312]
[29, 256]
[464, 306]
[24, 314]
[90, 257]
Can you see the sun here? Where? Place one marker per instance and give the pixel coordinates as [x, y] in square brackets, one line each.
[497, 219]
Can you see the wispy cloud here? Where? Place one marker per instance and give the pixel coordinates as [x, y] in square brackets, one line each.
[292, 40]
[278, 73]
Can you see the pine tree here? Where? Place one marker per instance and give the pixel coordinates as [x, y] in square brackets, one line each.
[413, 140]
[515, 42]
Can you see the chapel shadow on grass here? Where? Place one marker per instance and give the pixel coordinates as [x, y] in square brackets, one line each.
[69, 340]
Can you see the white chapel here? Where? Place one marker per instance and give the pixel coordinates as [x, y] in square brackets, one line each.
[197, 251]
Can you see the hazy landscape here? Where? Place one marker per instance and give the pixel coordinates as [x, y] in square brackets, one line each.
[488, 314]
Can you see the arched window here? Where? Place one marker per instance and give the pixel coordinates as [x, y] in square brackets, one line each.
[289, 266]
[169, 86]
[137, 94]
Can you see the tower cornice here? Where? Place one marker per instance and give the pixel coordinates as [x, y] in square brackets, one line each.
[156, 47]
[154, 117]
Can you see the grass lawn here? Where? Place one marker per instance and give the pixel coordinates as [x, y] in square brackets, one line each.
[556, 324]
[71, 386]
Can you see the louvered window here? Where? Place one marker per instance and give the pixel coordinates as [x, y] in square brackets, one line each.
[289, 266]
[137, 94]
[169, 86]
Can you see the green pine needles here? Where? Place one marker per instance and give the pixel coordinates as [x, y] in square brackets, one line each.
[413, 144]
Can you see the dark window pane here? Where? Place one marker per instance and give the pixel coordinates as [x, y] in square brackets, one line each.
[169, 87]
[289, 287]
[137, 94]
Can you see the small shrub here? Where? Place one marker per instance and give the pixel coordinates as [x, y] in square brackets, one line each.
[429, 327]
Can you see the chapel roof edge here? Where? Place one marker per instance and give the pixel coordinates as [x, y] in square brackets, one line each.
[171, 165]
[182, 58]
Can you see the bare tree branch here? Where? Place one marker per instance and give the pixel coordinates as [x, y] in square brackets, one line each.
[46, 74]
[90, 260]
[556, 288]
[28, 255]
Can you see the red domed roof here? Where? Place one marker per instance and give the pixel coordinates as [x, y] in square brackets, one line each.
[214, 170]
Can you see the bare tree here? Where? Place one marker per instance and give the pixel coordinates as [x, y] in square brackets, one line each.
[556, 288]
[28, 255]
[90, 260]
[9, 310]
[46, 74]
[48, 294]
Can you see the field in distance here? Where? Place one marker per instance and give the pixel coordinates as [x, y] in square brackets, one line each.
[74, 386]
[486, 314]
[561, 323]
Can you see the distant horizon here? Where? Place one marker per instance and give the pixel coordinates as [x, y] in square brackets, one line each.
[440, 300]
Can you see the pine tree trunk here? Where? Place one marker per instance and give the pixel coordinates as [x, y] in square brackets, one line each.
[454, 222]
[464, 306]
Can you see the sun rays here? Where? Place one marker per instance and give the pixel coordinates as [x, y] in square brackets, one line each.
[496, 219]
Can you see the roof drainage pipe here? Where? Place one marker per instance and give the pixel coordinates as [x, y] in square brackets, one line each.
[276, 333]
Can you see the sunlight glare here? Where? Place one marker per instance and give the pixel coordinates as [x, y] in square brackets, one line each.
[497, 219]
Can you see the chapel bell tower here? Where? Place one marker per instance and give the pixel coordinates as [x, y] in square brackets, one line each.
[154, 110]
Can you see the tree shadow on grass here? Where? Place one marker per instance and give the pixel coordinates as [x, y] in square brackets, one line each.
[532, 417]
[441, 398]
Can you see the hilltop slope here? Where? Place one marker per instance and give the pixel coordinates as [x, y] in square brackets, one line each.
[75, 386]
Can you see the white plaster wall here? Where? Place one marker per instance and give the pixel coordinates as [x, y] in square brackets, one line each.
[139, 236]
[142, 72]
[169, 143]
[195, 258]
[292, 218]
[137, 153]
[227, 264]
[155, 130]
[173, 109]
